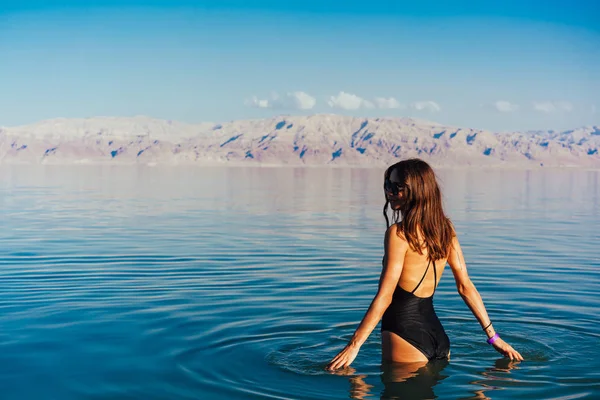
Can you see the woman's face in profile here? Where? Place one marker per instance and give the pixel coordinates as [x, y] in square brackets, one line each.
[394, 200]
[393, 190]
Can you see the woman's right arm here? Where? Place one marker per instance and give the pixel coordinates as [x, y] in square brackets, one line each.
[472, 299]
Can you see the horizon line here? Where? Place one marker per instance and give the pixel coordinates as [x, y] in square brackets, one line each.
[277, 116]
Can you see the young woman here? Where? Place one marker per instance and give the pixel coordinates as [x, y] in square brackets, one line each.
[418, 244]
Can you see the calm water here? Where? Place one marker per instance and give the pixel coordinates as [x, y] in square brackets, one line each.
[166, 283]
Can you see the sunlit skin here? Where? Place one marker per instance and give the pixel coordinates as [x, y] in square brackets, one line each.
[404, 267]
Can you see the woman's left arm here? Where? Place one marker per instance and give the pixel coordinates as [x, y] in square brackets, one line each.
[395, 249]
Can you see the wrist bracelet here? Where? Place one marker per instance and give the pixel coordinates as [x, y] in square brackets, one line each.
[485, 329]
[493, 338]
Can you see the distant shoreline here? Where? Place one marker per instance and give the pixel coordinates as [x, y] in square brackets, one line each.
[201, 166]
[331, 141]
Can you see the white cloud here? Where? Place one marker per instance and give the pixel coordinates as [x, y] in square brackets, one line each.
[255, 102]
[303, 101]
[429, 105]
[390, 103]
[505, 106]
[347, 101]
[290, 100]
[552, 106]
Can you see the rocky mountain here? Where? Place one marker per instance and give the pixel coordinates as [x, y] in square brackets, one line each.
[292, 140]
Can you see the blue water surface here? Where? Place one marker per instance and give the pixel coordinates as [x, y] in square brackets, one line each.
[237, 283]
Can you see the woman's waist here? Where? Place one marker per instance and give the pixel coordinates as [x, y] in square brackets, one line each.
[401, 296]
[403, 315]
[415, 306]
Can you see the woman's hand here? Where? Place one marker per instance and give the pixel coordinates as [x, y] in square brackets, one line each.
[506, 350]
[344, 358]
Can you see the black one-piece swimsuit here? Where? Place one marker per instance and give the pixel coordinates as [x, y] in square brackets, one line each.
[414, 320]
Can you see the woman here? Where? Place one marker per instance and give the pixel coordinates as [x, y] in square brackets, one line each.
[417, 248]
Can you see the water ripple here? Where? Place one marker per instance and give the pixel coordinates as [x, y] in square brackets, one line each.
[117, 291]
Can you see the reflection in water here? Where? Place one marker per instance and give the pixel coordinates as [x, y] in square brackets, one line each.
[417, 381]
[400, 380]
[411, 381]
[494, 376]
[359, 389]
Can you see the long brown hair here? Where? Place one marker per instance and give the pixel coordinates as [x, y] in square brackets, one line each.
[421, 213]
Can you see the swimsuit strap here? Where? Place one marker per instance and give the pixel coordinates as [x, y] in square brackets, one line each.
[434, 279]
[425, 274]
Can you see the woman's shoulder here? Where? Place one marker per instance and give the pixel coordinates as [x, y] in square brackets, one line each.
[395, 232]
[395, 242]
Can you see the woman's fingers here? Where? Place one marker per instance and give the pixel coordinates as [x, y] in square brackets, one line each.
[338, 364]
[508, 351]
[519, 356]
[342, 360]
[334, 364]
[335, 359]
[513, 354]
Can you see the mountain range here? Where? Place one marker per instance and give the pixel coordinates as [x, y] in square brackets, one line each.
[292, 140]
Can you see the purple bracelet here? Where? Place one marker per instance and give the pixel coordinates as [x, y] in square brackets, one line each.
[493, 339]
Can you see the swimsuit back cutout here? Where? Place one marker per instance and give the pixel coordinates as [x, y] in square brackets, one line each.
[423, 278]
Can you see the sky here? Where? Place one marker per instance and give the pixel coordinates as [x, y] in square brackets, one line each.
[518, 65]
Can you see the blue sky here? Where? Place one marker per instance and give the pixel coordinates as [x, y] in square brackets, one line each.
[515, 66]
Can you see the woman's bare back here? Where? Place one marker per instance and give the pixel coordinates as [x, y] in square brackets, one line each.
[414, 271]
